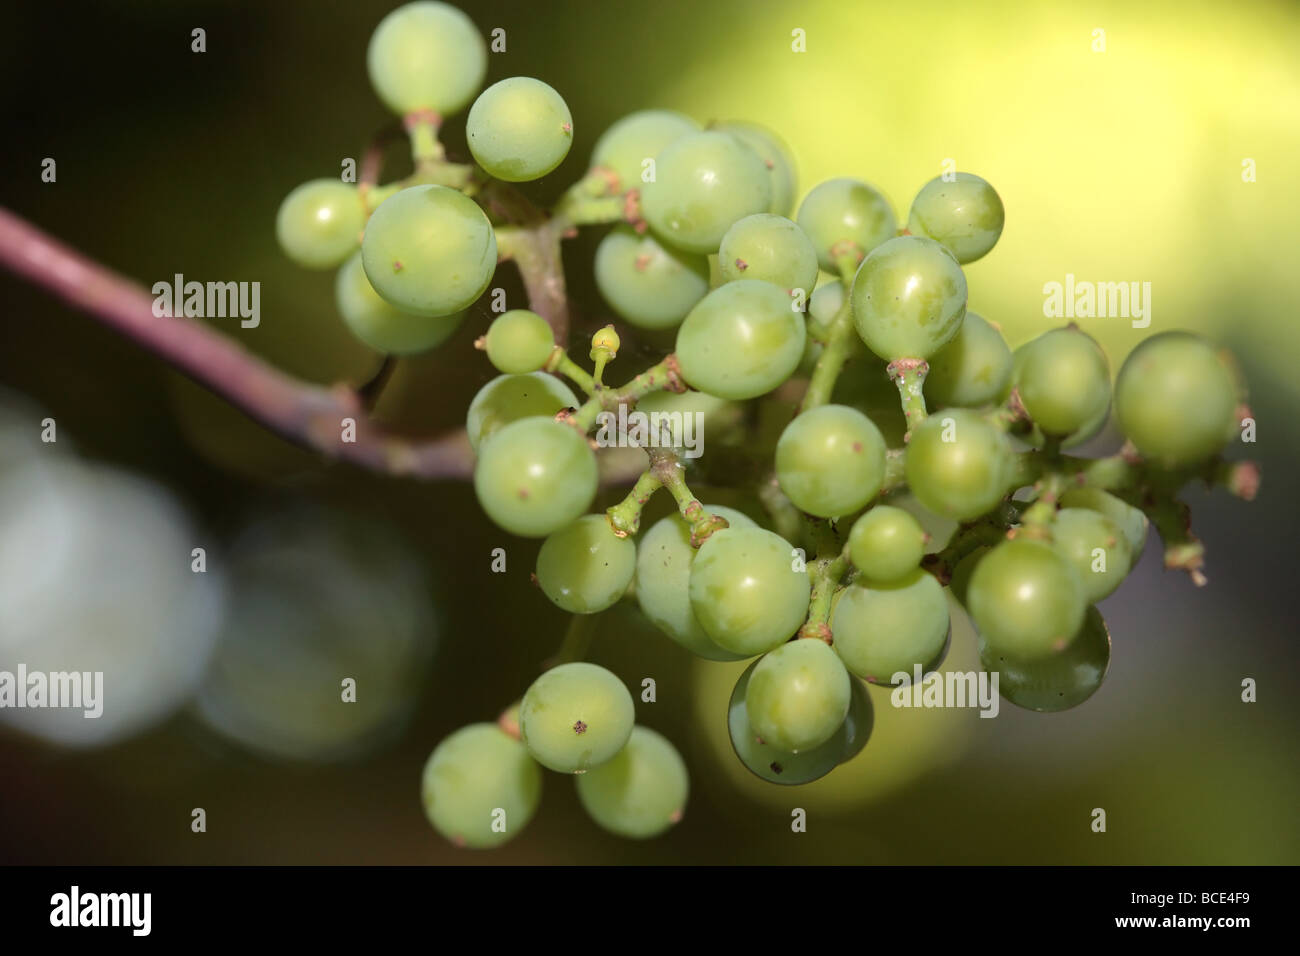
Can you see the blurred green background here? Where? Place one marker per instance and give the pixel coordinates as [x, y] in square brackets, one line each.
[1122, 165]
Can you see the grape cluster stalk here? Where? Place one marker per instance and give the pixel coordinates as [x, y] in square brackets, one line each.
[839, 584]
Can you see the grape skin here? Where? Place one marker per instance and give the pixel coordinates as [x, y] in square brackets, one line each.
[887, 629]
[535, 476]
[845, 211]
[519, 341]
[798, 695]
[575, 717]
[508, 398]
[971, 370]
[519, 129]
[663, 577]
[770, 248]
[1026, 600]
[703, 183]
[630, 141]
[426, 56]
[776, 156]
[651, 285]
[429, 250]
[776, 766]
[886, 544]
[1055, 683]
[909, 298]
[741, 340]
[1064, 382]
[830, 460]
[963, 478]
[641, 792]
[318, 223]
[744, 591]
[1131, 521]
[585, 567]
[965, 215]
[473, 773]
[379, 324]
[1076, 533]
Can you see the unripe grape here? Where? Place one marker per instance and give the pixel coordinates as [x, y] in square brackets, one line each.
[576, 717]
[909, 298]
[830, 460]
[319, 223]
[1064, 381]
[841, 211]
[585, 567]
[886, 544]
[641, 792]
[629, 142]
[1176, 399]
[778, 766]
[605, 340]
[741, 340]
[703, 183]
[508, 398]
[1095, 547]
[476, 778]
[663, 581]
[825, 303]
[1026, 600]
[859, 722]
[426, 56]
[382, 326]
[651, 285]
[745, 592]
[1058, 682]
[1131, 521]
[958, 465]
[519, 129]
[535, 476]
[776, 157]
[429, 250]
[965, 215]
[771, 248]
[973, 369]
[887, 629]
[519, 341]
[798, 696]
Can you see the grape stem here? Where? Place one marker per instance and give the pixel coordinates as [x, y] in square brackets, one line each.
[840, 341]
[625, 517]
[577, 641]
[827, 571]
[983, 532]
[909, 375]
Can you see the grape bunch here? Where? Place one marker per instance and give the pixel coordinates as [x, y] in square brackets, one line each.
[857, 398]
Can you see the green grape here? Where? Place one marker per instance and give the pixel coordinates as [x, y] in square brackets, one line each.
[909, 298]
[886, 544]
[664, 560]
[319, 223]
[535, 476]
[776, 766]
[830, 460]
[426, 56]
[1026, 600]
[965, 215]
[1176, 399]
[798, 696]
[859, 722]
[651, 285]
[745, 592]
[429, 250]
[1058, 682]
[887, 629]
[519, 129]
[641, 792]
[771, 248]
[585, 567]
[958, 465]
[703, 183]
[741, 340]
[519, 341]
[382, 326]
[508, 398]
[476, 778]
[845, 211]
[624, 148]
[776, 157]
[1131, 521]
[576, 717]
[971, 370]
[1064, 381]
[1079, 533]
[826, 301]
